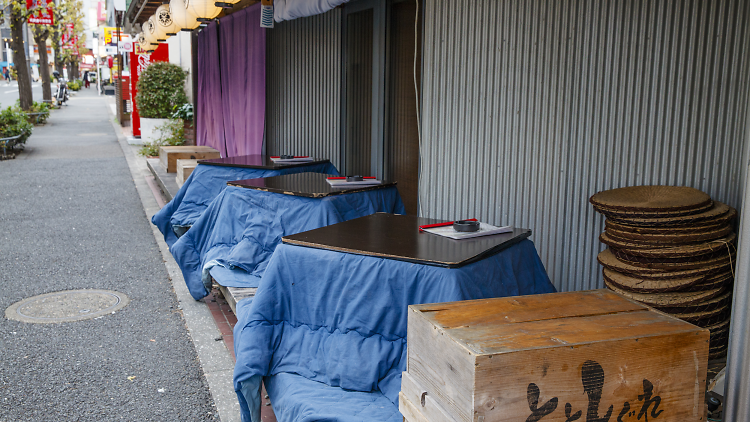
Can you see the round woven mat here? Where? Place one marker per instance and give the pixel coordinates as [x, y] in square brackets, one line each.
[669, 239]
[608, 260]
[706, 318]
[719, 213]
[668, 300]
[718, 327]
[719, 301]
[629, 249]
[719, 335]
[678, 264]
[609, 212]
[717, 353]
[646, 285]
[651, 198]
[698, 228]
[622, 243]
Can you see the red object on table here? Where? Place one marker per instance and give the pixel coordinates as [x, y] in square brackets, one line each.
[449, 223]
[344, 177]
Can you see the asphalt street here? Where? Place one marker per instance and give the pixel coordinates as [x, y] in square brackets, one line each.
[70, 218]
[9, 92]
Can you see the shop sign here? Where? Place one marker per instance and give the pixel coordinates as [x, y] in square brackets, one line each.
[69, 39]
[43, 14]
[137, 49]
[111, 36]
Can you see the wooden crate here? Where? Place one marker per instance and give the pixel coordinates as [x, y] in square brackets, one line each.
[184, 169]
[548, 357]
[168, 155]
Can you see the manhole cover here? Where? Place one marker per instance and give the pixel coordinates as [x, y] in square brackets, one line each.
[67, 306]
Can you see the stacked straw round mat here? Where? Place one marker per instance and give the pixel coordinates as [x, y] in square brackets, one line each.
[671, 248]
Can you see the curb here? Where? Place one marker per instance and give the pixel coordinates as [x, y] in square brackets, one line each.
[214, 358]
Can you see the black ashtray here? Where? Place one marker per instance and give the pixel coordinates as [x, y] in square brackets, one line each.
[287, 157]
[354, 178]
[466, 226]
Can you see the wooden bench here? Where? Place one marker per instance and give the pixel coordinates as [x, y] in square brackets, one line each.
[234, 294]
[168, 155]
[184, 169]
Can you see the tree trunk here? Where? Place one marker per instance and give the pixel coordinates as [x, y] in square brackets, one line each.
[75, 70]
[41, 41]
[19, 59]
[58, 54]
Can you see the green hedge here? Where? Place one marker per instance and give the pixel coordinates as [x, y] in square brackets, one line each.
[160, 90]
[39, 108]
[13, 121]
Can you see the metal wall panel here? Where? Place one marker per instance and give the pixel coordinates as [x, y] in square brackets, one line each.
[530, 107]
[303, 94]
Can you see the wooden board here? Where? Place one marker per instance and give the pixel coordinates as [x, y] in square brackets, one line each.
[236, 294]
[168, 155]
[308, 184]
[184, 169]
[548, 357]
[262, 162]
[398, 237]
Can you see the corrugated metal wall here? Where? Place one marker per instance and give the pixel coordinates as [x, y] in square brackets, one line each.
[530, 107]
[303, 96]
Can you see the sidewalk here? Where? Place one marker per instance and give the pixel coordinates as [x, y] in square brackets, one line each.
[71, 217]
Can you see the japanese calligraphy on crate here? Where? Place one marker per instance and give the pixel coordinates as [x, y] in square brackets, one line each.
[585, 356]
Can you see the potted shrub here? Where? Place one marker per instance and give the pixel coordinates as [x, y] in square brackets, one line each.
[185, 114]
[160, 90]
[170, 133]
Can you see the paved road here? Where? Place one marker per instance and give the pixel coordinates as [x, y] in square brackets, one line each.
[9, 92]
[70, 218]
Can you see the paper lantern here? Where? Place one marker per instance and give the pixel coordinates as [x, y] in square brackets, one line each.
[203, 10]
[141, 40]
[164, 21]
[182, 19]
[158, 33]
[149, 33]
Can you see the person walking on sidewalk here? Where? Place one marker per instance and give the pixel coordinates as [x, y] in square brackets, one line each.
[86, 79]
[6, 75]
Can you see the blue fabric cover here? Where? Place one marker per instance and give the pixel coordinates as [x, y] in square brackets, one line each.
[340, 319]
[299, 399]
[204, 184]
[237, 234]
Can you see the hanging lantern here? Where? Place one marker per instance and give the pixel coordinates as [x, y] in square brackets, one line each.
[157, 32]
[183, 20]
[149, 34]
[164, 21]
[141, 40]
[203, 10]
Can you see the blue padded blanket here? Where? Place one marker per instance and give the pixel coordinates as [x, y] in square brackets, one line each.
[206, 183]
[237, 234]
[339, 320]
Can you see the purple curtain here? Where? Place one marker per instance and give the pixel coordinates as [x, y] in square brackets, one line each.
[243, 80]
[231, 99]
[209, 128]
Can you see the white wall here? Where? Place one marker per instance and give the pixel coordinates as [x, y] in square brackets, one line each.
[180, 54]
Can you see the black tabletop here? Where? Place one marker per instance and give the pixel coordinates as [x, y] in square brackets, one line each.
[262, 162]
[311, 185]
[398, 237]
